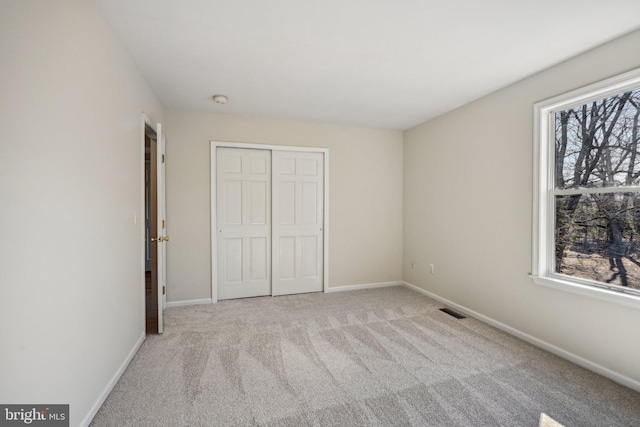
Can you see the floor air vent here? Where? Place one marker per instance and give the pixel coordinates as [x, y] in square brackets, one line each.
[453, 313]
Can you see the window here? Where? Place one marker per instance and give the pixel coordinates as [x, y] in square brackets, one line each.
[587, 190]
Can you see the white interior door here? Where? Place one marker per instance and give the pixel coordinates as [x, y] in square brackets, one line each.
[243, 212]
[162, 232]
[298, 221]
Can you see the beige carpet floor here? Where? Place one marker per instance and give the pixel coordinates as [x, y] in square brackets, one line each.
[379, 357]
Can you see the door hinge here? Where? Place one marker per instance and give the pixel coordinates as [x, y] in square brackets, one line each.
[163, 224]
[163, 290]
[163, 158]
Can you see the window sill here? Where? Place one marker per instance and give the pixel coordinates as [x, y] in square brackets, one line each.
[573, 287]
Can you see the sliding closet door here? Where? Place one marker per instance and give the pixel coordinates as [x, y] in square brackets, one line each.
[243, 181]
[298, 218]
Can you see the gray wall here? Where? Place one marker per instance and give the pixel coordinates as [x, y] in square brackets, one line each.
[71, 275]
[468, 210]
[365, 196]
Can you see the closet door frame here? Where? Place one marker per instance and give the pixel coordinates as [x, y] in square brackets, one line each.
[214, 223]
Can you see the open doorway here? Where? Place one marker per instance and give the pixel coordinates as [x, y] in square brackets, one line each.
[151, 227]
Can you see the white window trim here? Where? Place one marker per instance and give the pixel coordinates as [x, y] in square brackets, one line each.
[543, 207]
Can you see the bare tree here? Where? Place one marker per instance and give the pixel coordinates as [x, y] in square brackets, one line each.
[597, 147]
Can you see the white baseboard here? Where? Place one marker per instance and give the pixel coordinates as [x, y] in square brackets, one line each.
[116, 377]
[189, 302]
[580, 361]
[363, 286]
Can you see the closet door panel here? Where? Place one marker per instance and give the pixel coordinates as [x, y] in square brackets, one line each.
[297, 227]
[243, 213]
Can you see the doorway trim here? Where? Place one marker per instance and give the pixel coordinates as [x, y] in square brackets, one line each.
[140, 214]
[214, 238]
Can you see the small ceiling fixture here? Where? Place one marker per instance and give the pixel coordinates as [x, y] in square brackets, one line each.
[220, 99]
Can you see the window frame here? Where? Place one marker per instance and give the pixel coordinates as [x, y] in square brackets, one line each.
[543, 251]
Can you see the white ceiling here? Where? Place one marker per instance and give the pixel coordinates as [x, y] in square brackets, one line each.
[388, 64]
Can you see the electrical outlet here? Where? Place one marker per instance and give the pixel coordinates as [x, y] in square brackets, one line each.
[432, 269]
[413, 264]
